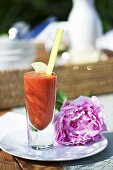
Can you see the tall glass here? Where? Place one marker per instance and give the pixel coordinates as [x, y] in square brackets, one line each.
[40, 93]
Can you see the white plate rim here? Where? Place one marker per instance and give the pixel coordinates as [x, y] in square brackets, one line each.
[56, 160]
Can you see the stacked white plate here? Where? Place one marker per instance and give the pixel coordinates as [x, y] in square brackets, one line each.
[16, 54]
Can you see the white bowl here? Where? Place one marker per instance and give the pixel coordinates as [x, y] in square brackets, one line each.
[16, 53]
[7, 44]
[15, 64]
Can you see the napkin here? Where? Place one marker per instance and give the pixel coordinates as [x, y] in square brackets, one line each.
[10, 122]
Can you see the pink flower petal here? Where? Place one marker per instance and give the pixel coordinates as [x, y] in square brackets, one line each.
[79, 121]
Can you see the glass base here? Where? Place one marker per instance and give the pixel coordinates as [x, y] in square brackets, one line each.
[40, 139]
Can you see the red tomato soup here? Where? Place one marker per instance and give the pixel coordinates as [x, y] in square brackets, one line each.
[40, 90]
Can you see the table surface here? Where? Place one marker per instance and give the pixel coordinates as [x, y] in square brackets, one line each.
[9, 162]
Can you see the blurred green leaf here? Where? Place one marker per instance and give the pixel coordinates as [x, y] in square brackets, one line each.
[60, 98]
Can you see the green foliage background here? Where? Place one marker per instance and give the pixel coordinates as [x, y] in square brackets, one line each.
[35, 11]
[105, 9]
[31, 11]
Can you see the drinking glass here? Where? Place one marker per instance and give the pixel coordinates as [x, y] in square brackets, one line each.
[40, 93]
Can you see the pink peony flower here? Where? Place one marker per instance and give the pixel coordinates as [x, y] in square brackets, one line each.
[79, 121]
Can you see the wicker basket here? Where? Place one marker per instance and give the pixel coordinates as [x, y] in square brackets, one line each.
[74, 80]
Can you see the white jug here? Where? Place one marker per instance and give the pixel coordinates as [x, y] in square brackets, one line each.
[84, 25]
